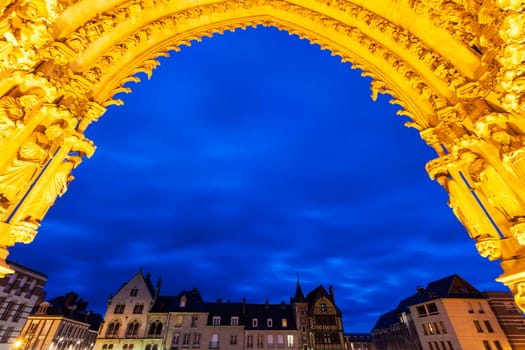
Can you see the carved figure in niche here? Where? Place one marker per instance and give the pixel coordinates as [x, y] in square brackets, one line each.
[467, 210]
[55, 187]
[11, 114]
[29, 160]
[496, 190]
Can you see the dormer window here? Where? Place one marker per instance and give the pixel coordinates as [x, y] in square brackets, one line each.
[235, 321]
[182, 302]
[255, 323]
[133, 292]
[284, 323]
[269, 323]
[216, 321]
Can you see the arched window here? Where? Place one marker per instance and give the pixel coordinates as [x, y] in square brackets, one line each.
[155, 347]
[113, 329]
[133, 329]
[148, 347]
[155, 328]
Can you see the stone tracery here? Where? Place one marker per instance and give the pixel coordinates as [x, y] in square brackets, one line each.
[455, 66]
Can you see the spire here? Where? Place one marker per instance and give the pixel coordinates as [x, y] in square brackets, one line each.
[299, 296]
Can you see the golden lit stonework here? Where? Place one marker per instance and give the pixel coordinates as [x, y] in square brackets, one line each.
[456, 67]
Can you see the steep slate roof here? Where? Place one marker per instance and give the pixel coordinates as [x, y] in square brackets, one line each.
[73, 308]
[452, 286]
[194, 302]
[247, 312]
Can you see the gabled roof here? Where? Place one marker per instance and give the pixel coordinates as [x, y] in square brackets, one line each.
[452, 286]
[318, 293]
[146, 280]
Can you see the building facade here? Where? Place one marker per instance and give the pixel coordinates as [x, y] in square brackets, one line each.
[145, 320]
[449, 314]
[62, 323]
[19, 293]
[359, 341]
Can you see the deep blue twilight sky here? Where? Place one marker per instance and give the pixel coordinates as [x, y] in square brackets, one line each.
[246, 159]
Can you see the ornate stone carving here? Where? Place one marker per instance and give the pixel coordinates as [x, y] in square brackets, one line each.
[60, 67]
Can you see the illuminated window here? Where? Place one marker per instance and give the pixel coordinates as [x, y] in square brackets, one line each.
[284, 323]
[178, 321]
[214, 342]
[270, 341]
[290, 340]
[323, 307]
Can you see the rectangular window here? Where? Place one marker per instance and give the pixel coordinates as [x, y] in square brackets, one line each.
[196, 340]
[186, 340]
[19, 312]
[269, 323]
[194, 320]
[280, 340]
[270, 341]
[214, 342]
[255, 323]
[443, 328]
[450, 347]
[7, 311]
[421, 311]
[436, 328]
[486, 344]
[249, 341]
[235, 321]
[290, 341]
[284, 323]
[7, 335]
[233, 339]
[478, 327]
[498, 345]
[175, 340]
[425, 330]
[216, 321]
[430, 328]
[488, 326]
[430, 346]
[178, 321]
[432, 309]
[260, 341]
[119, 309]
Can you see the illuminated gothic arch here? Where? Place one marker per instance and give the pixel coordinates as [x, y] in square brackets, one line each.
[456, 67]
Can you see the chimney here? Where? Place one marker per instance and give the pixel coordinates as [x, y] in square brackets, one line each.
[420, 290]
[331, 290]
[157, 289]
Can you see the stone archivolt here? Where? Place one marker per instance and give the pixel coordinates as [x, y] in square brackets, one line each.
[456, 67]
